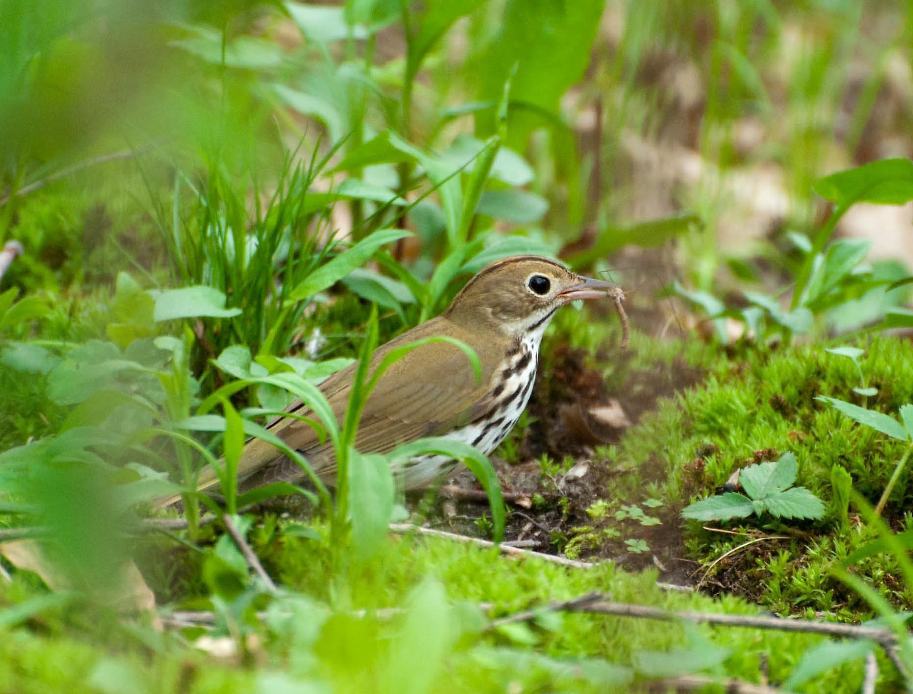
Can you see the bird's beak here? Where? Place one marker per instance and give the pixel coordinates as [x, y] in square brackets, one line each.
[587, 288]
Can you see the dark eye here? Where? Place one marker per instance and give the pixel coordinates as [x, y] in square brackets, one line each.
[539, 284]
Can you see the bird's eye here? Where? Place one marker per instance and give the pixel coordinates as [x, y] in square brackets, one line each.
[539, 284]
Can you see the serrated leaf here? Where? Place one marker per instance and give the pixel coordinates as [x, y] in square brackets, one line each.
[797, 502]
[870, 418]
[827, 656]
[764, 479]
[720, 507]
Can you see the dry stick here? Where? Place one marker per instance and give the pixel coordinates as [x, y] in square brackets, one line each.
[10, 250]
[248, 553]
[871, 674]
[730, 685]
[618, 296]
[405, 528]
[451, 491]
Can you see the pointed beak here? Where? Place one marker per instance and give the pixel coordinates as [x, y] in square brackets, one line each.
[587, 288]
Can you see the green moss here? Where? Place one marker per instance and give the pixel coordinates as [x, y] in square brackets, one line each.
[755, 408]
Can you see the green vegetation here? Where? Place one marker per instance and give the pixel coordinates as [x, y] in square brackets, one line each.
[221, 204]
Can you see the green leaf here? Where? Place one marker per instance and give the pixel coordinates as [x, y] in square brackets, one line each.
[870, 418]
[866, 392]
[371, 491]
[897, 318]
[430, 21]
[323, 24]
[829, 270]
[764, 479]
[328, 274]
[474, 459]
[680, 661]
[846, 351]
[797, 503]
[26, 309]
[906, 416]
[17, 614]
[649, 234]
[826, 657]
[517, 206]
[504, 247]
[27, 357]
[247, 52]
[368, 285]
[720, 507]
[190, 302]
[885, 182]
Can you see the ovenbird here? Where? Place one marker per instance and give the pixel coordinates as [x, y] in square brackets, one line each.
[501, 313]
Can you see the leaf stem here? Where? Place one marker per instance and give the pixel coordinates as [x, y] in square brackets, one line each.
[886, 494]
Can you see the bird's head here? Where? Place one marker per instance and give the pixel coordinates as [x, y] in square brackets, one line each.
[520, 294]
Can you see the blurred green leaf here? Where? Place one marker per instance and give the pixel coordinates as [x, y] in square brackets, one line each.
[27, 357]
[680, 661]
[323, 23]
[720, 507]
[371, 491]
[190, 302]
[885, 182]
[517, 206]
[825, 657]
[248, 52]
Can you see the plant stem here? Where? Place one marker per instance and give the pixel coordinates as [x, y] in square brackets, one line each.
[886, 494]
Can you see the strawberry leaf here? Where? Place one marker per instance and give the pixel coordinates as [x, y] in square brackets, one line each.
[720, 507]
[764, 479]
[797, 502]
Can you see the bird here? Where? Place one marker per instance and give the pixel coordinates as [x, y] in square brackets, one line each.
[501, 313]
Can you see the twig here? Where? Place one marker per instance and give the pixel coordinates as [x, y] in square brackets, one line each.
[572, 605]
[405, 528]
[729, 685]
[252, 561]
[618, 297]
[75, 168]
[153, 524]
[10, 534]
[871, 674]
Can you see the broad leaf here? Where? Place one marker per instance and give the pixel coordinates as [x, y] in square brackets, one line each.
[190, 302]
[517, 206]
[885, 182]
[870, 418]
[322, 23]
[798, 503]
[328, 274]
[680, 661]
[720, 507]
[906, 416]
[765, 479]
[370, 501]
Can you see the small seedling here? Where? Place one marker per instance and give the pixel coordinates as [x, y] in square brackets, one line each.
[901, 430]
[637, 546]
[769, 489]
[853, 354]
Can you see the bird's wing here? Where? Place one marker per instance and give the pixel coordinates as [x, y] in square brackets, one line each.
[427, 392]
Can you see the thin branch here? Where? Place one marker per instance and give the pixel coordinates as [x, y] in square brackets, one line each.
[452, 491]
[572, 605]
[252, 561]
[729, 685]
[67, 171]
[734, 550]
[154, 524]
[406, 528]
